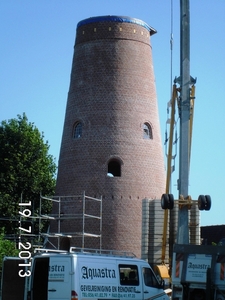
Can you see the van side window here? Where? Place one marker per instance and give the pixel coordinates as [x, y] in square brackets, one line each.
[149, 278]
[128, 275]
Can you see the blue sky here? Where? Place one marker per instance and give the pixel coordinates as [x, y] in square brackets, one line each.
[37, 39]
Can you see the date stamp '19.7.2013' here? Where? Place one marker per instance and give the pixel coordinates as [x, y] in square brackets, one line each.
[24, 247]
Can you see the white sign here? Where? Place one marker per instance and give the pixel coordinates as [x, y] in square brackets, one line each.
[197, 266]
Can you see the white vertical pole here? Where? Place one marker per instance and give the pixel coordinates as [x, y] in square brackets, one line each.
[183, 182]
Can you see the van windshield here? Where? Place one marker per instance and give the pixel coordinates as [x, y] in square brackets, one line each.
[149, 278]
[128, 275]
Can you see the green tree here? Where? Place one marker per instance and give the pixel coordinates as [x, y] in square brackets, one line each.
[26, 170]
[7, 248]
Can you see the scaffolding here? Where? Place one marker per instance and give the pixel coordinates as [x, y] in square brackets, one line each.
[86, 210]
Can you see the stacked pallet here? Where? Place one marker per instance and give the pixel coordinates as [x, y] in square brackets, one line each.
[152, 231]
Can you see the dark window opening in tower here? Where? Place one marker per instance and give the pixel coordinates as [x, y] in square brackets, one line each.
[147, 131]
[77, 130]
[114, 168]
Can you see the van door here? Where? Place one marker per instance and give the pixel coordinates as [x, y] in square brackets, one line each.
[59, 278]
[39, 279]
[151, 286]
[13, 285]
[97, 278]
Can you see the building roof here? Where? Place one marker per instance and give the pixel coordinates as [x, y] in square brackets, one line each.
[117, 19]
[212, 234]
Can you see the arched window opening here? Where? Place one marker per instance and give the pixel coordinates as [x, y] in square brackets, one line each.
[114, 168]
[77, 130]
[147, 131]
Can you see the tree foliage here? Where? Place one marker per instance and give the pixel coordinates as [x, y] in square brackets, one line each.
[7, 248]
[26, 170]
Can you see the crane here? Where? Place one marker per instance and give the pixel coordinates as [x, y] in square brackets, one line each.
[167, 200]
[184, 97]
[185, 103]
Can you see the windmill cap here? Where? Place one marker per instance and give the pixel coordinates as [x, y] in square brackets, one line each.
[117, 19]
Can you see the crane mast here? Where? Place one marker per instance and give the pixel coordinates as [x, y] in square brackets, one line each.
[186, 107]
[184, 110]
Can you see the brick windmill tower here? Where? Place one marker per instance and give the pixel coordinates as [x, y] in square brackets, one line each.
[111, 145]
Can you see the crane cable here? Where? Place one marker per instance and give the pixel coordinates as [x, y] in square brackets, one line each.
[172, 123]
[171, 90]
[171, 45]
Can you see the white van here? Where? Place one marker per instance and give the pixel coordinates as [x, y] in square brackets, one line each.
[85, 274]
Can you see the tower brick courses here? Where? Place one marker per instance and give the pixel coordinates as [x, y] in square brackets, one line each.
[112, 95]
